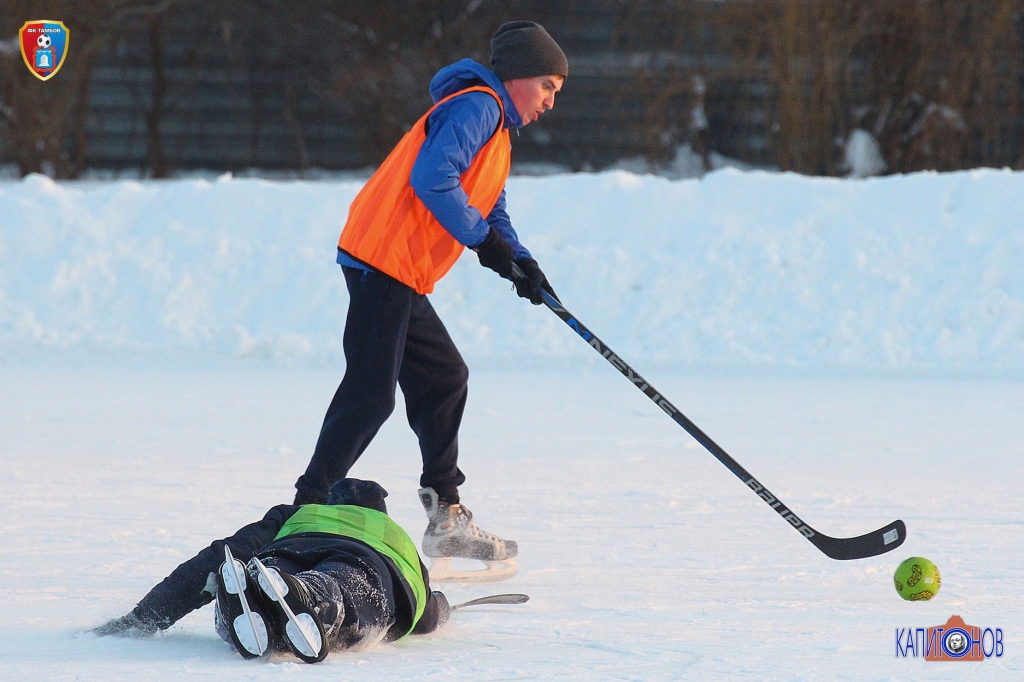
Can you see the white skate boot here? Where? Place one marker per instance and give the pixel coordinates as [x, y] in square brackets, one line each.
[451, 535]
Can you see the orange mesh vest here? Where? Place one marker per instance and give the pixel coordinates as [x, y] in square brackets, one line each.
[389, 227]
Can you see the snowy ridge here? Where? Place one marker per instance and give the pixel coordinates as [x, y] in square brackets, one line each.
[740, 269]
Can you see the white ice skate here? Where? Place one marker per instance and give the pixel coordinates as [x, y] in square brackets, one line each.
[303, 630]
[245, 623]
[457, 547]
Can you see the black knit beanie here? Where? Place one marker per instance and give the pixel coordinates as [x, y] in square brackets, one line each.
[359, 493]
[523, 49]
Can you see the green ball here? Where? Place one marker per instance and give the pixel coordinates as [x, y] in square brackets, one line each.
[917, 579]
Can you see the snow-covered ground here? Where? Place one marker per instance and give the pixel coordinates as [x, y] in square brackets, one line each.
[645, 559]
[754, 270]
[167, 351]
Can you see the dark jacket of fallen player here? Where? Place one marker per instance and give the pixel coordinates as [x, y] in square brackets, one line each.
[300, 537]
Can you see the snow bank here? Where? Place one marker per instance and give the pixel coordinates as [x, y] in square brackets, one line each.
[740, 269]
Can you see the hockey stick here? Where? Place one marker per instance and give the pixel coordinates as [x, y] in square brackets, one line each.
[494, 599]
[883, 540]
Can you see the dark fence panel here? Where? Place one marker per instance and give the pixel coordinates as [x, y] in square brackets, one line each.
[170, 85]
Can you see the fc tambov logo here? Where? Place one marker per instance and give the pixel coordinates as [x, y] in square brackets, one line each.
[44, 46]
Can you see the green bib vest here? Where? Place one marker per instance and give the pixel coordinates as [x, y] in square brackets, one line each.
[374, 528]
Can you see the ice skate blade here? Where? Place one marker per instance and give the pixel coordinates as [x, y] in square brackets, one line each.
[442, 571]
[304, 634]
[248, 629]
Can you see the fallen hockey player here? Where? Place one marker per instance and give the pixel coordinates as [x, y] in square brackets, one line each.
[440, 190]
[305, 578]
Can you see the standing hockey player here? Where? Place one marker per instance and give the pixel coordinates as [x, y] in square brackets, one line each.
[305, 579]
[440, 190]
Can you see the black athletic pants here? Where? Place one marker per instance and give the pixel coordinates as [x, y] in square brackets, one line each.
[392, 337]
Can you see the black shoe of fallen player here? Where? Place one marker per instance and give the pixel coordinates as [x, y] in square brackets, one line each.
[291, 605]
[240, 608]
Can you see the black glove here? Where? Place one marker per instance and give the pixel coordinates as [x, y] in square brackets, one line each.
[495, 253]
[534, 282]
[126, 626]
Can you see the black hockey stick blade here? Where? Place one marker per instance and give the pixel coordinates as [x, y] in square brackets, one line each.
[883, 540]
[871, 544]
[494, 599]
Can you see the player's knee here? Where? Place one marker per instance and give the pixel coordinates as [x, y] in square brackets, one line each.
[457, 374]
[368, 407]
[376, 402]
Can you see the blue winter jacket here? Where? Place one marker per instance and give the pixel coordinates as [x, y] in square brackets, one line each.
[458, 130]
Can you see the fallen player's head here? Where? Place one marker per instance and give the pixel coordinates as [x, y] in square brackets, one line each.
[359, 493]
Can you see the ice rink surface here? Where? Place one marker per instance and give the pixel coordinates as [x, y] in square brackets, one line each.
[644, 557]
[814, 327]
